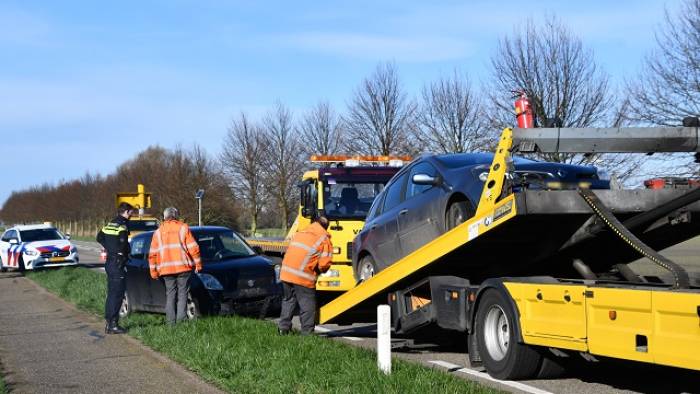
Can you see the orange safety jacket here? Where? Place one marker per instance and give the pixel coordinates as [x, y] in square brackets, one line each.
[309, 253]
[173, 250]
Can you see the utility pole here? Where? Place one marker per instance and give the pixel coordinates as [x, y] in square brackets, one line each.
[199, 195]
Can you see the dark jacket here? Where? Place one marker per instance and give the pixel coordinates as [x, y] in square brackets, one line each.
[114, 237]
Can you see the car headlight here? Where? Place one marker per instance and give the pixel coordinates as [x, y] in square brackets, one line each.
[603, 175]
[278, 268]
[31, 252]
[210, 282]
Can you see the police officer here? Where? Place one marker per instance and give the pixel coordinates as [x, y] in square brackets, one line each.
[114, 238]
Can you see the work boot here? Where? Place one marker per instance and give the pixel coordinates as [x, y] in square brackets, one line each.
[283, 332]
[113, 327]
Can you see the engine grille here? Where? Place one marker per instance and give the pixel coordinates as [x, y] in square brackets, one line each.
[62, 253]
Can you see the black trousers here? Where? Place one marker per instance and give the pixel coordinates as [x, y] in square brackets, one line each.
[116, 285]
[302, 299]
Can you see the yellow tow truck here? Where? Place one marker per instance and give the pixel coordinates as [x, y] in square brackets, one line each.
[137, 224]
[342, 189]
[490, 276]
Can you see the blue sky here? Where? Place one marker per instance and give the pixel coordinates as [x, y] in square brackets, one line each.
[84, 86]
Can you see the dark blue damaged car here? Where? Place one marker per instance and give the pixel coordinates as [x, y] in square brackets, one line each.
[435, 193]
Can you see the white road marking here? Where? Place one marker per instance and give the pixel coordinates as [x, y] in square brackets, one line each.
[482, 375]
[324, 330]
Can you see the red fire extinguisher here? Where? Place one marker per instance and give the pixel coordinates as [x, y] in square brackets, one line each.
[523, 110]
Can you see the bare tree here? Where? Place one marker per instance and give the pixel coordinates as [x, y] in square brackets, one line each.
[322, 130]
[563, 81]
[242, 158]
[451, 117]
[669, 87]
[284, 163]
[379, 114]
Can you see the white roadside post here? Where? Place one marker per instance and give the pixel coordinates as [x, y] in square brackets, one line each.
[384, 338]
[199, 195]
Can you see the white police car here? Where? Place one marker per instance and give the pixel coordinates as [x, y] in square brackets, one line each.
[35, 246]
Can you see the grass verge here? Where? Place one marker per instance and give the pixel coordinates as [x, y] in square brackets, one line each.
[246, 355]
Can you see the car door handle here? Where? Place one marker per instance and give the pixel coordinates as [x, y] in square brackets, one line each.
[403, 211]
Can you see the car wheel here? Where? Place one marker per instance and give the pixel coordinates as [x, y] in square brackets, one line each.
[366, 269]
[502, 355]
[457, 213]
[20, 266]
[125, 309]
[192, 308]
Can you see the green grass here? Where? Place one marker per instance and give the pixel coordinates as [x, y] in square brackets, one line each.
[246, 355]
[3, 389]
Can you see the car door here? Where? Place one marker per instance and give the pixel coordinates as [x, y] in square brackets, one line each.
[385, 226]
[7, 249]
[418, 213]
[137, 273]
[156, 287]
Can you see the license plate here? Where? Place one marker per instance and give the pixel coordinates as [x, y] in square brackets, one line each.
[56, 259]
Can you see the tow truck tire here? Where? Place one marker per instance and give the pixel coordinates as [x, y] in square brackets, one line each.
[457, 213]
[502, 355]
[366, 269]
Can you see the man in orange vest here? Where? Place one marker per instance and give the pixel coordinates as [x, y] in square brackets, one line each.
[174, 252]
[309, 253]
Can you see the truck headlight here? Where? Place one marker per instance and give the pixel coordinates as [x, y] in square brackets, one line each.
[210, 282]
[31, 252]
[331, 274]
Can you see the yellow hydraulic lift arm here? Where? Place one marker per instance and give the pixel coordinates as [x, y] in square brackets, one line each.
[491, 212]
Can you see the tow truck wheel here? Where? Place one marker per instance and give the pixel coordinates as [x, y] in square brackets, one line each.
[366, 269]
[192, 308]
[457, 213]
[502, 355]
[125, 309]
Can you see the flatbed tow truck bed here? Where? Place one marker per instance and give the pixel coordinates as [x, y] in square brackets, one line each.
[494, 277]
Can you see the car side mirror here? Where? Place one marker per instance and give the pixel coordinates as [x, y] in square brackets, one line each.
[13, 241]
[68, 236]
[258, 250]
[425, 179]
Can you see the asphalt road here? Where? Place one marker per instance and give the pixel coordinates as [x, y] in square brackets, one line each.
[583, 377]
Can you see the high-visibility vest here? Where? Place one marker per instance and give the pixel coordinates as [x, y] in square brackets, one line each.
[309, 253]
[173, 250]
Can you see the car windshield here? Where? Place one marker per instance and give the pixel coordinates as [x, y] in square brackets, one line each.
[349, 200]
[468, 159]
[142, 225]
[221, 245]
[42, 234]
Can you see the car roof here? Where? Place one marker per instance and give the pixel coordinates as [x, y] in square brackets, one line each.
[194, 229]
[24, 227]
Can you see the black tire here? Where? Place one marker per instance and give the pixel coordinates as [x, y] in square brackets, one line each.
[20, 266]
[457, 213]
[126, 308]
[192, 308]
[502, 355]
[3, 269]
[366, 269]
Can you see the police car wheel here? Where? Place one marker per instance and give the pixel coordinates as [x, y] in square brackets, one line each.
[192, 308]
[20, 265]
[125, 309]
[3, 269]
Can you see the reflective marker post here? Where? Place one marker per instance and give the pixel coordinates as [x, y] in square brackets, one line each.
[199, 195]
[384, 338]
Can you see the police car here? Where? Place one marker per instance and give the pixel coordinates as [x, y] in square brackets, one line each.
[35, 246]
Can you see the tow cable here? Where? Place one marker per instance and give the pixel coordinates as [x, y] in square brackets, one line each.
[680, 275]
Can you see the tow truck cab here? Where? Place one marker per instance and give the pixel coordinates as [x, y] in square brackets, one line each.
[343, 193]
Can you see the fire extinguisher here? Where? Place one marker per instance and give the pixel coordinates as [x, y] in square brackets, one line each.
[523, 110]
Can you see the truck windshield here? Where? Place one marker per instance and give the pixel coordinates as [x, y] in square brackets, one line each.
[44, 234]
[344, 200]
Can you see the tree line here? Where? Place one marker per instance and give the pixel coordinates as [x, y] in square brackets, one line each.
[252, 183]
